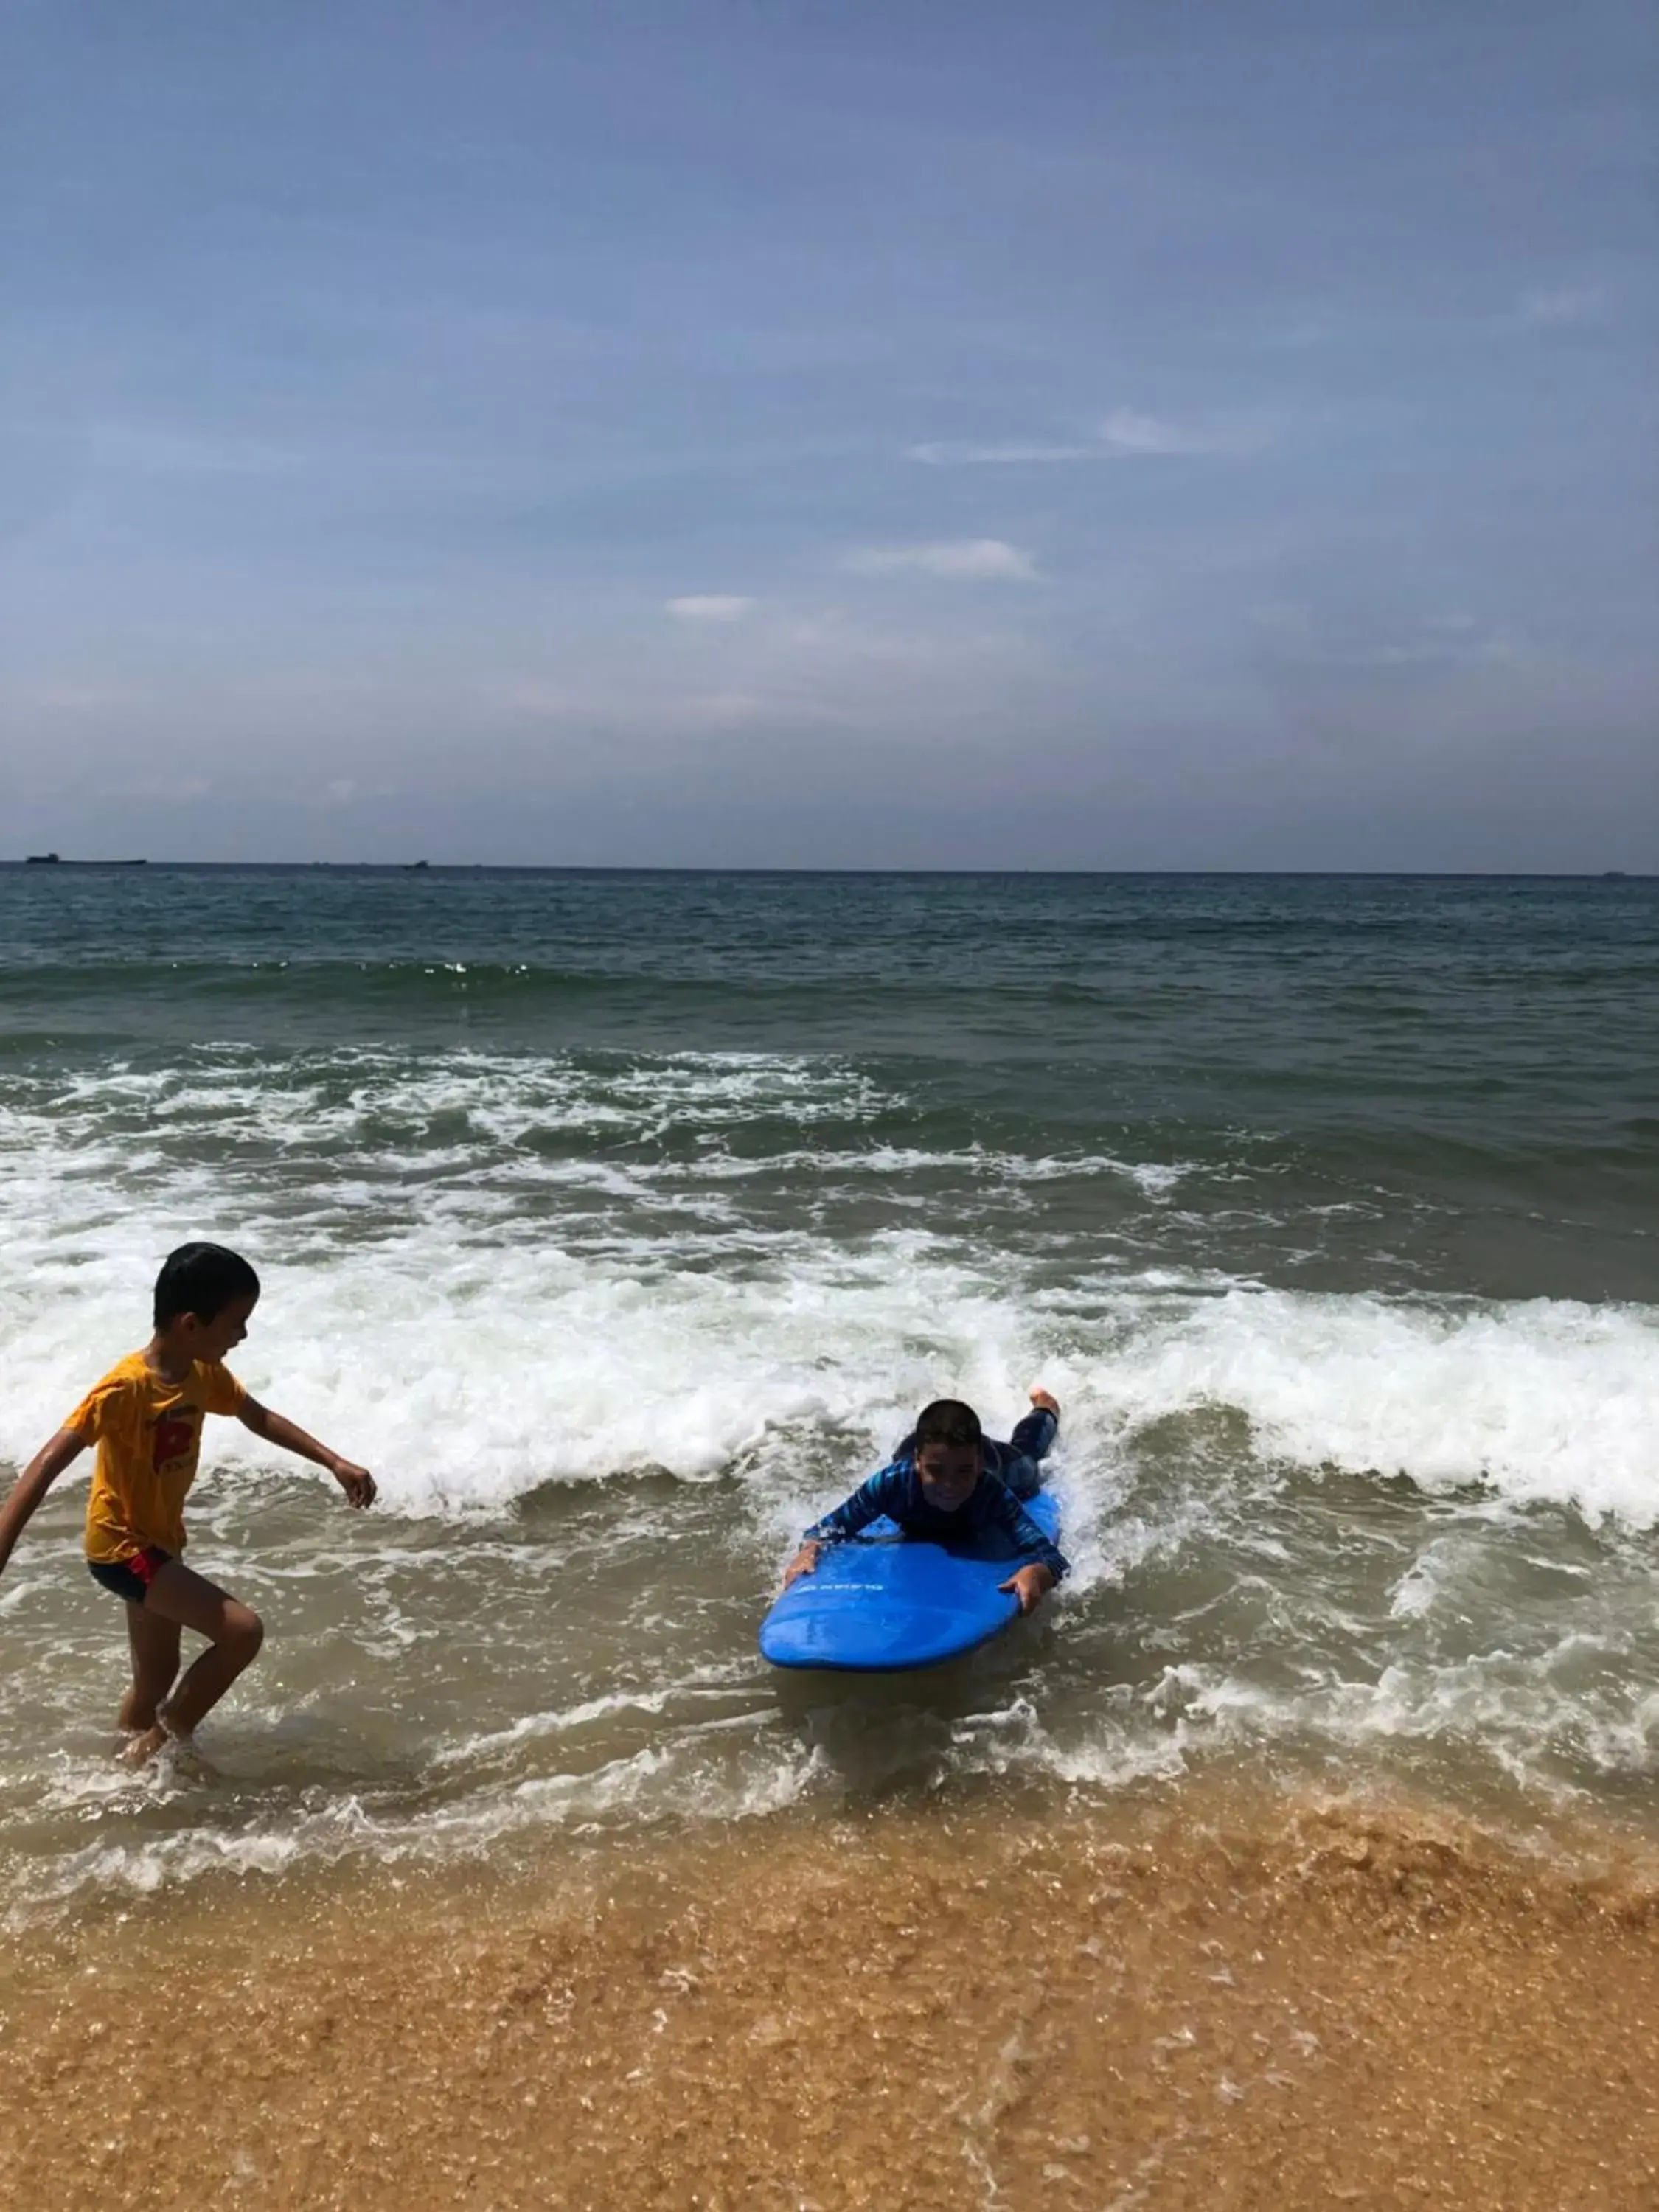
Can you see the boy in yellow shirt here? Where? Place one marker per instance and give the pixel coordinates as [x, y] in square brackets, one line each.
[145, 1418]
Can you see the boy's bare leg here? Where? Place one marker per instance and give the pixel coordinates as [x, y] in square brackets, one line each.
[155, 1645]
[234, 1632]
[1033, 1436]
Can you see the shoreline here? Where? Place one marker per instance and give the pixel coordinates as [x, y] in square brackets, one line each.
[1190, 1996]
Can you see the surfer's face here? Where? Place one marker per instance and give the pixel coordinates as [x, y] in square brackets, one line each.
[947, 1474]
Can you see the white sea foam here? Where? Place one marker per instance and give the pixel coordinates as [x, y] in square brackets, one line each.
[675, 1782]
[1526, 1724]
[1547, 1401]
[717, 1687]
[489, 1316]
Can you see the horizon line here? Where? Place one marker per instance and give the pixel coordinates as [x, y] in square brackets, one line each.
[46, 861]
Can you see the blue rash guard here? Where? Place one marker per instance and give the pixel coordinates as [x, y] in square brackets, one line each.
[991, 1522]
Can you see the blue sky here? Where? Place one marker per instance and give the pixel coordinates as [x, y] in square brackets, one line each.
[812, 435]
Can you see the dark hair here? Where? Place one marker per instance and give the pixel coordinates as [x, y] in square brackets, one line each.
[202, 1279]
[947, 1421]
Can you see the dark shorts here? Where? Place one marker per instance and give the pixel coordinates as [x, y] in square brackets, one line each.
[130, 1578]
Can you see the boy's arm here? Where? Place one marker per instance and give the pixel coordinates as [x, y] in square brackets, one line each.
[32, 1486]
[876, 1495]
[1045, 1563]
[357, 1482]
[868, 1503]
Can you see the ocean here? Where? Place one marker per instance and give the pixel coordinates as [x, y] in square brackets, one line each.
[620, 1223]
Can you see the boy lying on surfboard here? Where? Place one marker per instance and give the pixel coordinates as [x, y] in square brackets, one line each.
[951, 1484]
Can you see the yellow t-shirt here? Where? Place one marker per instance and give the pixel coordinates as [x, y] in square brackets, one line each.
[149, 1435]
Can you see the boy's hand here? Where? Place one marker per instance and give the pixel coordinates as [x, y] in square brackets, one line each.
[1048, 1400]
[357, 1482]
[803, 1563]
[1031, 1585]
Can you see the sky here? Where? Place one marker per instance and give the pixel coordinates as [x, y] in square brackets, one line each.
[831, 433]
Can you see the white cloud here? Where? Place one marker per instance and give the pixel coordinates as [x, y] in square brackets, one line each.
[1564, 309]
[718, 710]
[1295, 635]
[943, 454]
[975, 560]
[1126, 431]
[162, 449]
[709, 607]
[1125, 435]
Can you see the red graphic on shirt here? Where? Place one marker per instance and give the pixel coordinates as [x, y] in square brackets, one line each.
[174, 1434]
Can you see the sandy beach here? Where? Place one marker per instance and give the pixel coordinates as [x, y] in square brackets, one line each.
[1186, 2001]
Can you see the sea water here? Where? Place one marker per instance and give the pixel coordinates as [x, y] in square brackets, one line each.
[621, 1222]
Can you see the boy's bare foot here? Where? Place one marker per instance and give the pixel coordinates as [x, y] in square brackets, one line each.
[141, 1746]
[1048, 1400]
[145, 1745]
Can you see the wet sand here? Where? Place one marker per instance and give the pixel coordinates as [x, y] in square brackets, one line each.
[1189, 2000]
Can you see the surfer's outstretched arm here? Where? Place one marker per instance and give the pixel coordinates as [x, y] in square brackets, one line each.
[1042, 1564]
[872, 1498]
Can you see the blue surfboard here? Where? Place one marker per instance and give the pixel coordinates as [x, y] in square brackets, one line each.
[878, 1603]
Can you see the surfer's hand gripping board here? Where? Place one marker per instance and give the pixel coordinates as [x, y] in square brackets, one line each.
[1031, 1585]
